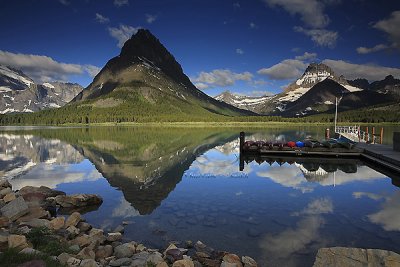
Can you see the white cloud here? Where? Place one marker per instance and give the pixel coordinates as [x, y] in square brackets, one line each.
[391, 27]
[318, 206]
[239, 51]
[201, 86]
[366, 50]
[101, 19]
[221, 77]
[307, 56]
[122, 33]
[236, 5]
[43, 68]
[257, 93]
[120, 3]
[252, 25]
[285, 70]
[150, 18]
[321, 37]
[92, 70]
[354, 71]
[310, 11]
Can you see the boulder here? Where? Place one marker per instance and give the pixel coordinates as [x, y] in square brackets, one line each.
[81, 241]
[154, 258]
[4, 221]
[233, 258]
[29, 251]
[17, 241]
[5, 191]
[84, 226]
[35, 223]
[174, 254]
[140, 259]
[124, 251]
[86, 253]
[34, 213]
[72, 232]
[63, 258]
[15, 209]
[73, 219]
[249, 262]
[120, 262]
[183, 263]
[162, 264]
[57, 223]
[3, 241]
[97, 235]
[341, 256]
[88, 263]
[73, 262]
[111, 237]
[9, 197]
[42, 190]
[4, 183]
[78, 200]
[104, 252]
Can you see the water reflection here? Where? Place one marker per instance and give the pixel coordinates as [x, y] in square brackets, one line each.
[185, 184]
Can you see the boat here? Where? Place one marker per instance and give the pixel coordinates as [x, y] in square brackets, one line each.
[344, 142]
[291, 144]
[309, 142]
[330, 143]
[250, 145]
[299, 144]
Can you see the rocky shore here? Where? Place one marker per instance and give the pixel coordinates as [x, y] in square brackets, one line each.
[29, 221]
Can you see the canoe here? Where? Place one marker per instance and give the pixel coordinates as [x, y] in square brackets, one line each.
[291, 144]
[311, 143]
[344, 142]
[279, 144]
[330, 143]
[299, 144]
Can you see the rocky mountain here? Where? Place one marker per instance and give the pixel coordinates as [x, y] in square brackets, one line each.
[243, 102]
[145, 79]
[19, 93]
[315, 91]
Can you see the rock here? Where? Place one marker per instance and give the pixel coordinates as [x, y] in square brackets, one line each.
[341, 256]
[233, 258]
[15, 209]
[24, 230]
[81, 241]
[2, 203]
[84, 226]
[140, 248]
[124, 251]
[57, 223]
[111, 237]
[227, 264]
[78, 200]
[120, 262]
[3, 241]
[33, 263]
[171, 246]
[73, 219]
[72, 232]
[119, 229]
[140, 259]
[72, 262]
[4, 183]
[36, 223]
[162, 264]
[74, 248]
[63, 257]
[17, 241]
[197, 264]
[29, 251]
[249, 262]
[5, 191]
[88, 263]
[104, 252]
[183, 263]
[44, 190]
[155, 258]
[86, 253]
[174, 254]
[97, 235]
[34, 213]
[4, 221]
[9, 197]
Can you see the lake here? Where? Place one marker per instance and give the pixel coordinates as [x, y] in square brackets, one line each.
[178, 184]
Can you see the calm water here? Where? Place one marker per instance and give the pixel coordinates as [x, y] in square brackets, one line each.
[185, 184]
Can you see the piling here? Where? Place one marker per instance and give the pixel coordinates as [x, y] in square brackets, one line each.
[327, 133]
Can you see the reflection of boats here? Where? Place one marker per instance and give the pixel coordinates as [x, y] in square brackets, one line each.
[348, 168]
[311, 166]
[329, 167]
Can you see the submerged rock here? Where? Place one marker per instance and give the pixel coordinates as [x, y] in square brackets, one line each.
[78, 200]
[341, 256]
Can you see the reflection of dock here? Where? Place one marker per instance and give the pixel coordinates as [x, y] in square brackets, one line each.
[380, 157]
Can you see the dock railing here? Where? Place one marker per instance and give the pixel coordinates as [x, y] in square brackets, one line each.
[355, 134]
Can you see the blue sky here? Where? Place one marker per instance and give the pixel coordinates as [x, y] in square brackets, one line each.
[251, 47]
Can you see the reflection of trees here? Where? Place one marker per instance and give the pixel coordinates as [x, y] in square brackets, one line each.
[144, 163]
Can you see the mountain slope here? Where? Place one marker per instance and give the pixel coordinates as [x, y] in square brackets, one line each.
[243, 102]
[19, 93]
[146, 77]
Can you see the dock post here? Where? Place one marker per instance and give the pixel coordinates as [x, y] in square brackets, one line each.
[241, 139]
[367, 134]
[327, 133]
[381, 136]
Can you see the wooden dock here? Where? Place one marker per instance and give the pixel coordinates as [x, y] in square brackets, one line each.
[380, 157]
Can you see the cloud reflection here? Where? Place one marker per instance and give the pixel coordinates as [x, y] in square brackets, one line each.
[389, 215]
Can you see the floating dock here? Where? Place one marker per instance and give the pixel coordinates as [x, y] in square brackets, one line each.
[381, 157]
